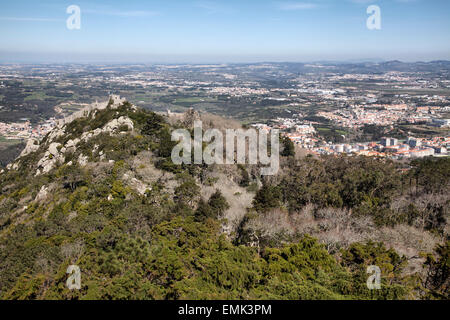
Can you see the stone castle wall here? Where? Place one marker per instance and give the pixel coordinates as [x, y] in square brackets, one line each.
[86, 111]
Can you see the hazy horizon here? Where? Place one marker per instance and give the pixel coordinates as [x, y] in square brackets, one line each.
[202, 62]
[232, 31]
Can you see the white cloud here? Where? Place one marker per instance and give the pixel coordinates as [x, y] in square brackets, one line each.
[212, 7]
[29, 19]
[135, 14]
[291, 6]
[375, 1]
[363, 1]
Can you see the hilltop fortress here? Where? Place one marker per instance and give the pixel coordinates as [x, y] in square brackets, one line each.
[114, 100]
[55, 151]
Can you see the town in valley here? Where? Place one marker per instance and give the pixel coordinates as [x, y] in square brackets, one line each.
[385, 109]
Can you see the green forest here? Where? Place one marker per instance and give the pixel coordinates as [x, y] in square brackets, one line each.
[310, 232]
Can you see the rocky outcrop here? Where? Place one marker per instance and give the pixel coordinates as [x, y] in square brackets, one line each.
[71, 145]
[83, 160]
[115, 125]
[53, 156]
[55, 153]
[55, 134]
[112, 127]
[13, 166]
[135, 184]
[32, 146]
[42, 194]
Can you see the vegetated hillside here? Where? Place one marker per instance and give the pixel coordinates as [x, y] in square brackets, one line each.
[102, 193]
[9, 153]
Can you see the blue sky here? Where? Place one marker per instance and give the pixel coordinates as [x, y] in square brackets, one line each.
[206, 31]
